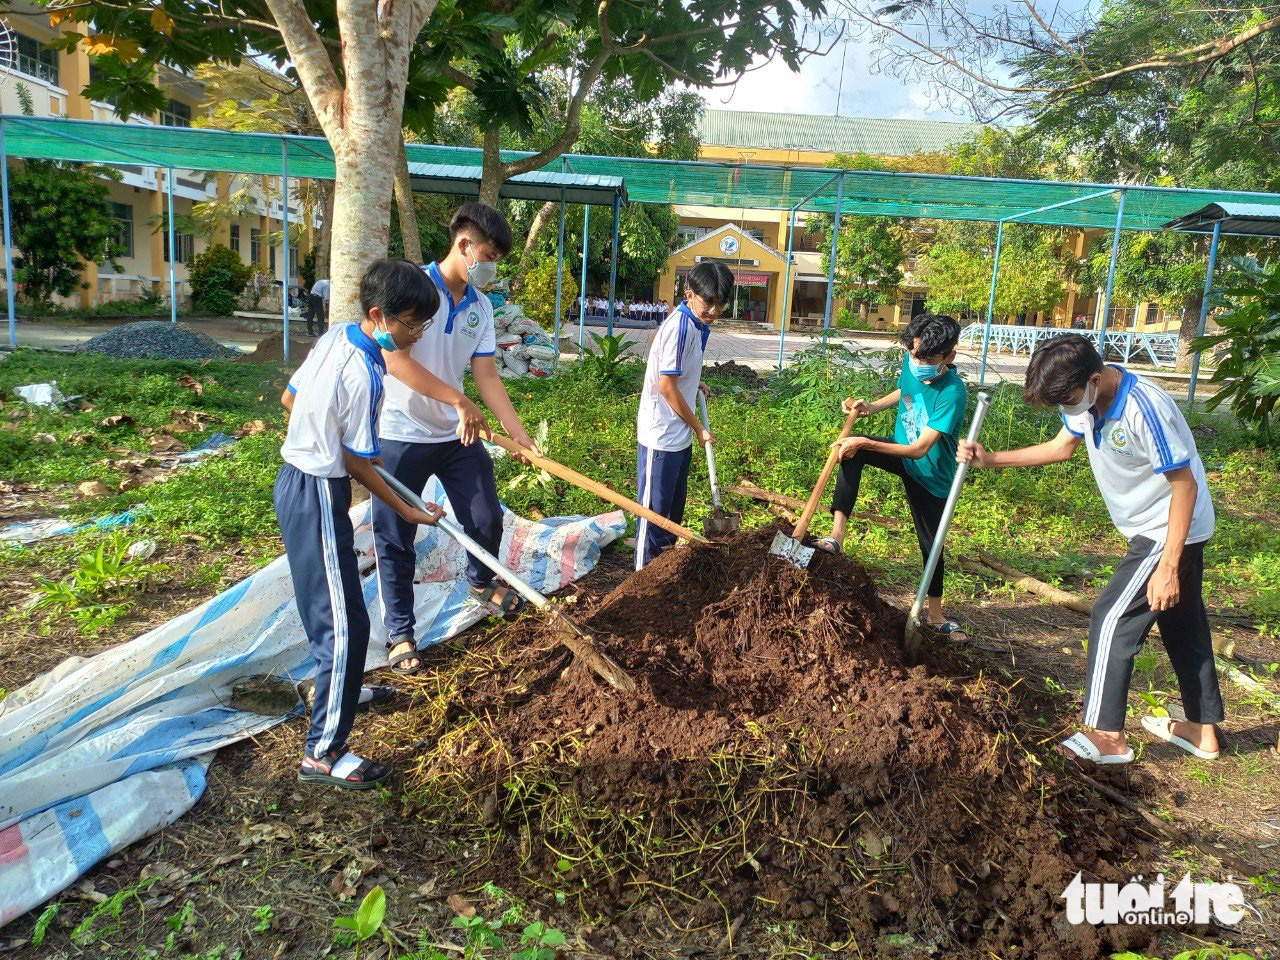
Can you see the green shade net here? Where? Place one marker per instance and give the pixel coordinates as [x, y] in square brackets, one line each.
[749, 186]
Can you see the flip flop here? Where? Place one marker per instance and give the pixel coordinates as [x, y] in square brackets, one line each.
[1162, 728]
[949, 628]
[371, 697]
[344, 770]
[411, 654]
[1083, 748]
[510, 604]
[829, 545]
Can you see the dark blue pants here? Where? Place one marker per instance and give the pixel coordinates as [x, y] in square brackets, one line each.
[319, 542]
[662, 484]
[466, 473]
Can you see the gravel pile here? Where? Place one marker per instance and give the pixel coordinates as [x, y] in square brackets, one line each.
[157, 339]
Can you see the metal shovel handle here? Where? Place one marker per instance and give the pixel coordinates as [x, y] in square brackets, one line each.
[711, 456]
[520, 585]
[935, 554]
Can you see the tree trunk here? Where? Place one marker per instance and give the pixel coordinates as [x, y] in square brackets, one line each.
[404, 207]
[863, 312]
[361, 117]
[1186, 332]
[492, 175]
[540, 221]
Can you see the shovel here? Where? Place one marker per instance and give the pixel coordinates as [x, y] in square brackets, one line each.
[915, 630]
[569, 633]
[792, 548]
[719, 524]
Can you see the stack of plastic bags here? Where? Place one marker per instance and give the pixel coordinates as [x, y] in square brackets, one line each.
[525, 349]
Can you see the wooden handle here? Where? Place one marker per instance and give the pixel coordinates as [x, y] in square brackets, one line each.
[601, 490]
[810, 508]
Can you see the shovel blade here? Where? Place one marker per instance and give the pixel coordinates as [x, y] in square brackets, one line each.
[721, 524]
[791, 550]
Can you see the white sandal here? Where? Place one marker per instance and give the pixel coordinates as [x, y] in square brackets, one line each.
[1085, 749]
[1162, 727]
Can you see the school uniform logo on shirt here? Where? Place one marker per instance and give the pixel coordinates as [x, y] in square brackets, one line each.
[1118, 440]
[473, 319]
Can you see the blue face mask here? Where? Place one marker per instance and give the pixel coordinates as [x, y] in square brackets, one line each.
[385, 340]
[923, 371]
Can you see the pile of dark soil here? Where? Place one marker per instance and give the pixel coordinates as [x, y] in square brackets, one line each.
[780, 762]
[738, 372]
[159, 340]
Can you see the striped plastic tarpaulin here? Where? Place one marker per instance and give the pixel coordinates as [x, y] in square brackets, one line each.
[100, 752]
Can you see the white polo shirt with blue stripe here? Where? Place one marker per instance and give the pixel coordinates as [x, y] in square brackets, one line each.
[457, 332]
[677, 349]
[1142, 436]
[337, 398]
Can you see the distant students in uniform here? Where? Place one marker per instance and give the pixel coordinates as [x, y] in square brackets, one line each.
[431, 428]
[1148, 470]
[317, 308]
[667, 424]
[334, 401]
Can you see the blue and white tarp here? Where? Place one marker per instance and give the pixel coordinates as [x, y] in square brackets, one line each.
[100, 752]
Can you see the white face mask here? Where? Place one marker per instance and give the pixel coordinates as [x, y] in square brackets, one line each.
[481, 273]
[1090, 398]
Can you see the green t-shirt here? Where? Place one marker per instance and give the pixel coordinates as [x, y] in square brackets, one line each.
[939, 404]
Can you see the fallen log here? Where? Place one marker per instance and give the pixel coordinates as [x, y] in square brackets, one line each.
[749, 490]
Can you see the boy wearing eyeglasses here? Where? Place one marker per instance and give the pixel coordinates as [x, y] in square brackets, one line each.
[431, 428]
[334, 401]
[667, 424]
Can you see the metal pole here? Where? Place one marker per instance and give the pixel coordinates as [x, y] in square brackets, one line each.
[284, 246]
[8, 239]
[613, 265]
[1204, 310]
[173, 254]
[786, 294]
[559, 278]
[831, 265]
[991, 305]
[582, 306]
[1111, 277]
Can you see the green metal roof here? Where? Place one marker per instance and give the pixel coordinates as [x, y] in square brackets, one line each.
[464, 180]
[827, 134]
[731, 185]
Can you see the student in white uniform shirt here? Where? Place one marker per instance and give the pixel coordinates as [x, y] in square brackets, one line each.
[334, 400]
[1149, 472]
[431, 428]
[667, 425]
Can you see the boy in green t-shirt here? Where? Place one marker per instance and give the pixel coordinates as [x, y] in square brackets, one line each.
[931, 400]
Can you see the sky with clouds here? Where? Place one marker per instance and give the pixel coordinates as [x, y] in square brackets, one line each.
[817, 88]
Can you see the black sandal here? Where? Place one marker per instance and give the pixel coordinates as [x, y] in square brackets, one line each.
[344, 770]
[510, 604]
[371, 697]
[394, 661]
[950, 628]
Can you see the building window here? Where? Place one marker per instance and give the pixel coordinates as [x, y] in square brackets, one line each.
[293, 259]
[36, 60]
[235, 237]
[95, 75]
[255, 245]
[123, 214]
[175, 114]
[186, 243]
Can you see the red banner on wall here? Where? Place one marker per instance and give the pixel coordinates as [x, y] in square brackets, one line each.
[745, 279]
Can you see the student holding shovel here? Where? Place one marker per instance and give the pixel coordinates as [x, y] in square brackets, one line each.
[931, 401]
[431, 428]
[1145, 462]
[666, 424]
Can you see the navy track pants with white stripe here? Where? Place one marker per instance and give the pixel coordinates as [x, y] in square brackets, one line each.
[1119, 625]
[662, 484]
[320, 544]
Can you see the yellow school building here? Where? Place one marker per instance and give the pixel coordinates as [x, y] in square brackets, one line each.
[54, 81]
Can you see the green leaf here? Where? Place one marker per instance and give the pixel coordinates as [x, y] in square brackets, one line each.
[372, 911]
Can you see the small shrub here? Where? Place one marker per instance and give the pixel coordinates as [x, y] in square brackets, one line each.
[217, 279]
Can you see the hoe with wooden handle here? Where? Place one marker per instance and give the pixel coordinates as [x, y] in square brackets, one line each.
[601, 490]
[792, 548]
[569, 633]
